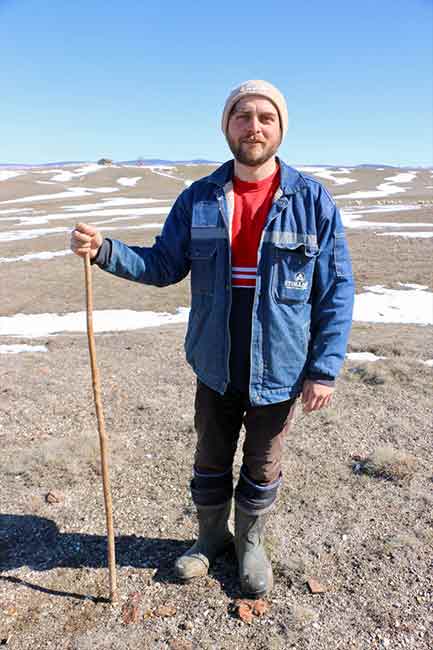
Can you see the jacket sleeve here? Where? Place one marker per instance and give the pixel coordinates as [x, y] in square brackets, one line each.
[166, 262]
[332, 295]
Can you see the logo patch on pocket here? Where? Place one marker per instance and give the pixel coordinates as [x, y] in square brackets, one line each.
[299, 282]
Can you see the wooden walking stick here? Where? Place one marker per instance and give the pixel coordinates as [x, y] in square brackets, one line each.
[103, 440]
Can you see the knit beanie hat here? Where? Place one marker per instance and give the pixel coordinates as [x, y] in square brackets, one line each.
[257, 87]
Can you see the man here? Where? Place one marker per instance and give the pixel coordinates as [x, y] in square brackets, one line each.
[271, 307]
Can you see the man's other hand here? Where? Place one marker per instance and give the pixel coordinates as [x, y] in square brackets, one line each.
[85, 239]
[315, 396]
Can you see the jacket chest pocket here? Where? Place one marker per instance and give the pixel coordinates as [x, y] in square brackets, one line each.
[203, 267]
[293, 268]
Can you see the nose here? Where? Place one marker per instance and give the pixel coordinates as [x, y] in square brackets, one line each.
[253, 125]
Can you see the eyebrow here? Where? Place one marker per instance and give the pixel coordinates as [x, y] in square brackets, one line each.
[248, 110]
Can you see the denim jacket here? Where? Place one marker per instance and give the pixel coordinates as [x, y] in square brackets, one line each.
[304, 294]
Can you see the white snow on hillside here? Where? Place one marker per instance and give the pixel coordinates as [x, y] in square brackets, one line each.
[363, 357]
[351, 220]
[64, 175]
[109, 203]
[134, 213]
[16, 349]
[109, 320]
[33, 233]
[127, 181]
[382, 305]
[378, 208]
[377, 305]
[168, 172]
[411, 285]
[351, 217]
[45, 255]
[5, 174]
[408, 235]
[329, 174]
[128, 218]
[142, 226]
[16, 210]
[384, 189]
[70, 193]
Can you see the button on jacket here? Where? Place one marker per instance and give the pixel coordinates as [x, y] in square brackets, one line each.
[303, 302]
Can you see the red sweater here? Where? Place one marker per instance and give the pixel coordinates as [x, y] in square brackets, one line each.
[252, 205]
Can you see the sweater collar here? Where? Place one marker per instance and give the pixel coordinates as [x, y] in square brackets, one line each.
[291, 181]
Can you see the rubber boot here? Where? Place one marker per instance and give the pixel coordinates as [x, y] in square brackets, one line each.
[214, 538]
[255, 570]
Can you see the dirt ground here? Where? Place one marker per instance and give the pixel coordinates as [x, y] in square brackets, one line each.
[354, 512]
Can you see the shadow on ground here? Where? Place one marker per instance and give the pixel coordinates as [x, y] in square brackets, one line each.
[37, 543]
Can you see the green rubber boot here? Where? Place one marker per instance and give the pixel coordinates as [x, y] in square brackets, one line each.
[214, 538]
[255, 570]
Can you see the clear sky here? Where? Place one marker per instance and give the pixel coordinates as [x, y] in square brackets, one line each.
[81, 79]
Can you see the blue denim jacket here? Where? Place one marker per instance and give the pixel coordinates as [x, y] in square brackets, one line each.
[303, 302]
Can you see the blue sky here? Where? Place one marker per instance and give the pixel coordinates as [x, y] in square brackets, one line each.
[91, 78]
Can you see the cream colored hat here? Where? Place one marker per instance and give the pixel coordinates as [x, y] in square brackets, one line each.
[257, 87]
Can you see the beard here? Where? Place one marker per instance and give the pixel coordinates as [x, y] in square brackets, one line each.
[252, 156]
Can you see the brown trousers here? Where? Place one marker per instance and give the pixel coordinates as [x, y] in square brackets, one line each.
[218, 421]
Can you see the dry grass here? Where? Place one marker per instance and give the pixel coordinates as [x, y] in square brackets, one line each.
[401, 541]
[303, 615]
[389, 464]
[68, 459]
[380, 372]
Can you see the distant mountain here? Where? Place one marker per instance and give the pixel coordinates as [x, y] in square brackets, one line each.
[161, 161]
[376, 165]
[144, 161]
[199, 161]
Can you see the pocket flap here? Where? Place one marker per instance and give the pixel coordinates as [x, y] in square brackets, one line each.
[297, 247]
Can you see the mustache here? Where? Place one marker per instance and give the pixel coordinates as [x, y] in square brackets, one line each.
[252, 141]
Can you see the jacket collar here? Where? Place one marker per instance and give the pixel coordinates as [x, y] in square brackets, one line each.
[291, 180]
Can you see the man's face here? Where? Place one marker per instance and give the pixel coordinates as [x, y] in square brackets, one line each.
[254, 131]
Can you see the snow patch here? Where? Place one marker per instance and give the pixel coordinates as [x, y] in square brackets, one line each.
[15, 210]
[329, 174]
[363, 357]
[16, 235]
[411, 285]
[46, 255]
[109, 203]
[127, 181]
[101, 190]
[136, 213]
[424, 234]
[16, 349]
[116, 219]
[63, 176]
[384, 189]
[70, 193]
[381, 305]
[387, 208]
[110, 320]
[34, 233]
[351, 217]
[5, 174]
[162, 171]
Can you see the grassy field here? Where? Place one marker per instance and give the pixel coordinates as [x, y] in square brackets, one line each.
[355, 509]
